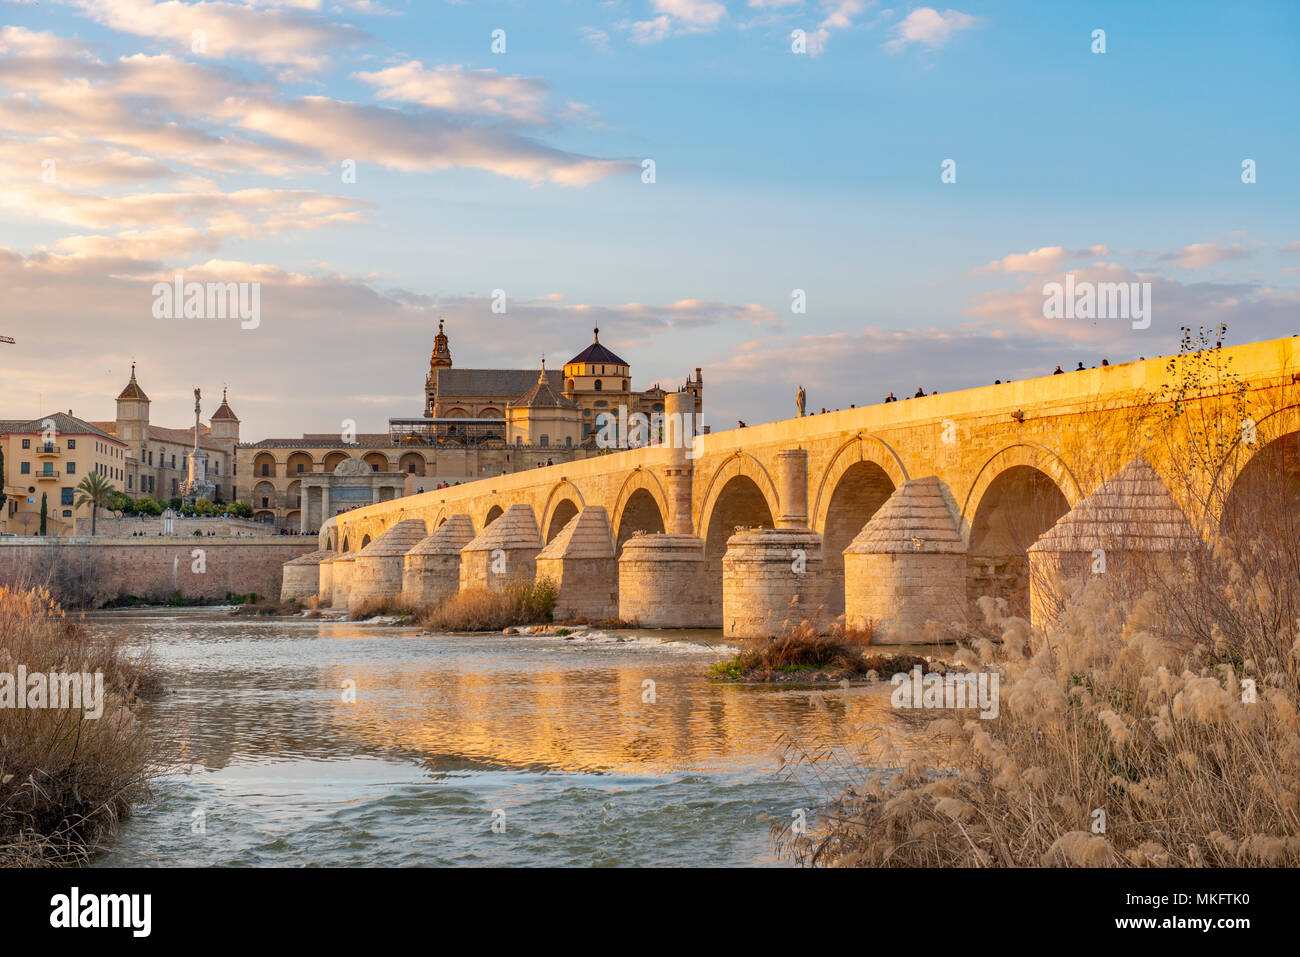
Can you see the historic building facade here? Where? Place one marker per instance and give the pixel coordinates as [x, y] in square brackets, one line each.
[477, 423]
[45, 459]
[157, 461]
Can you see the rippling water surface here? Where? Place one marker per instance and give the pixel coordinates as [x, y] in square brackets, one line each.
[268, 765]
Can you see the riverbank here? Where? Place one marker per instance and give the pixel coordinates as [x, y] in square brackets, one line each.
[74, 761]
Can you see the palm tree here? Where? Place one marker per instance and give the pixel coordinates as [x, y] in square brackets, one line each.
[96, 491]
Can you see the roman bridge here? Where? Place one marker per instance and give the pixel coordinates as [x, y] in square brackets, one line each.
[956, 488]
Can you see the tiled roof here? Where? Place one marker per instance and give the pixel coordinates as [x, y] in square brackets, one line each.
[133, 390]
[63, 423]
[490, 383]
[224, 411]
[542, 396]
[371, 440]
[597, 353]
[182, 437]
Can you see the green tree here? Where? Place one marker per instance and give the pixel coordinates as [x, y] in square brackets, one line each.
[97, 492]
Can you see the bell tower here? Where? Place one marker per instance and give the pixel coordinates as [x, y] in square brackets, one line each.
[440, 359]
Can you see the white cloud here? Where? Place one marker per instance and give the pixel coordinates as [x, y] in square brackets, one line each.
[1199, 255]
[1042, 260]
[929, 28]
[455, 89]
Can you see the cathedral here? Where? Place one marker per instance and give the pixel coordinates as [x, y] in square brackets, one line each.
[548, 408]
[476, 423]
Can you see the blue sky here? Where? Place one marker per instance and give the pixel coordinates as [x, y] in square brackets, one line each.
[521, 171]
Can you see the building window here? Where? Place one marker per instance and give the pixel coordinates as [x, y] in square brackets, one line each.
[265, 502]
[66, 496]
[72, 444]
[266, 469]
[624, 385]
[25, 468]
[568, 441]
[72, 468]
[546, 440]
[173, 486]
[598, 387]
[130, 482]
[27, 443]
[519, 440]
[67, 513]
[173, 461]
[410, 468]
[300, 468]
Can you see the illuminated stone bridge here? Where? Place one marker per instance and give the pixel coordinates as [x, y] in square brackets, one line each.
[900, 515]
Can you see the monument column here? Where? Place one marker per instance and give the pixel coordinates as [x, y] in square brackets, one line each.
[325, 514]
[792, 488]
[679, 434]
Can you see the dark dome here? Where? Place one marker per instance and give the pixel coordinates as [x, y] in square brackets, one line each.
[597, 353]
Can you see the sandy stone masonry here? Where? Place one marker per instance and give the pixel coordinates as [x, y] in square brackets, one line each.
[377, 573]
[431, 570]
[770, 578]
[580, 560]
[504, 553]
[904, 573]
[1011, 460]
[302, 575]
[1131, 523]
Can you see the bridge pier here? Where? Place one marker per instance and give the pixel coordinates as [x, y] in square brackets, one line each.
[771, 577]
[300, 578]
[905, 572]
[341, 586]
[325, 587]
[431, 570]
[1118, 537]
[377, 571]
[580, 560]
[504, 553]
[661, 583]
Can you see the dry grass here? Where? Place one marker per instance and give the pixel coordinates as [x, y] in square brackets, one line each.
[383, 607]
[480, 609]
[66, 781]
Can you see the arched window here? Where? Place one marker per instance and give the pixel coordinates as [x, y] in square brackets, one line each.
[624, 385]
[597, 385]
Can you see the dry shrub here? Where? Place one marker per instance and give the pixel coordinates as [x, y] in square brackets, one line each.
[1140, 709]
[66, 781]
[386, 607]
[481, 609]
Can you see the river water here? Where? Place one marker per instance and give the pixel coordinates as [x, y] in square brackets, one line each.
[473, 750]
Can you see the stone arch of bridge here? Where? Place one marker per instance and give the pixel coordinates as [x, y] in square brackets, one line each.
[1035, 456]
[1259, 477]
[738, 501]
[1019, 494]
[491, 515]
[738, 464]
[641, 506]
[564, 502]
[860, 476]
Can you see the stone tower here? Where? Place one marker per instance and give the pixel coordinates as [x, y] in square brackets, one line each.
[440, 359]
[225, 426]
[133, 417]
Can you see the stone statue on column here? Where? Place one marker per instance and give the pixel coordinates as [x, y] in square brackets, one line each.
[800, 398]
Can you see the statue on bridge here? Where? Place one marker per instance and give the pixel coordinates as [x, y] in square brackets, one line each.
[800, 398]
